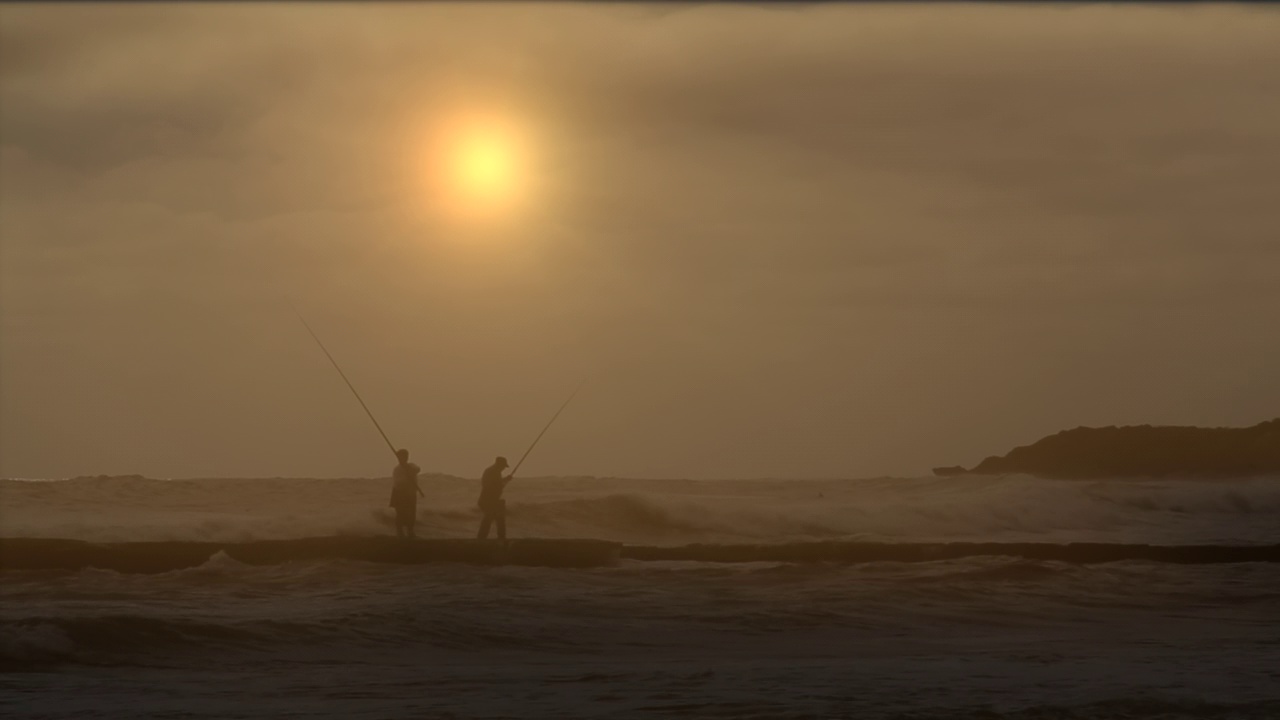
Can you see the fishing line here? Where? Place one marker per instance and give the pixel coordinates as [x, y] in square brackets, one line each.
[546, 428]
[344, 378]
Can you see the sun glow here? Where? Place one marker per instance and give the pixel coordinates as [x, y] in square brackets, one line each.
[480, 167]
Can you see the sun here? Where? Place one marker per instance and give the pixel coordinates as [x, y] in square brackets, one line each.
[486, 166]
[480, 167]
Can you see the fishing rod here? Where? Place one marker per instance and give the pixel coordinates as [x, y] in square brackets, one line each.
[545, 428]
[344, 379]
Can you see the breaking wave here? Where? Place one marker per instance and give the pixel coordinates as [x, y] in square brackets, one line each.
[158, 557]
[1004, 509]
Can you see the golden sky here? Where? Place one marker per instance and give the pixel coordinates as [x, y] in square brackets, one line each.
[783, 241]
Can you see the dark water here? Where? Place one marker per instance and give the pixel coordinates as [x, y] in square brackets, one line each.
[978, 637]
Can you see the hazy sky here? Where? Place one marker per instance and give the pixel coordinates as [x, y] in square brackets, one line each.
[783, 241]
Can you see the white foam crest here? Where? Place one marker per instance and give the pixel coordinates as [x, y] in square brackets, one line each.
[931, 509]
[23, 643]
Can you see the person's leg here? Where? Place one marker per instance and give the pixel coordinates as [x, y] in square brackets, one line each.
[484, 527]
[501, 520]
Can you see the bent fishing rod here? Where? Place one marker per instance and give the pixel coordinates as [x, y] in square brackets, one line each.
[379, 427]
[344, 379]
[545, 429]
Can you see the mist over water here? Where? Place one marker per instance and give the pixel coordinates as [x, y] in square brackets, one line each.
[976, 637]
[665, 512]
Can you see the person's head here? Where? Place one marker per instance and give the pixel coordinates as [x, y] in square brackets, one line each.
[500, 462]
[403, 455]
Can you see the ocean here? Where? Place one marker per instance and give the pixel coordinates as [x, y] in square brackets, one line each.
[1003, 635]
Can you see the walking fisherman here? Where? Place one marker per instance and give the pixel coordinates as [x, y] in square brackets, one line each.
[492, 506]
[404, 494]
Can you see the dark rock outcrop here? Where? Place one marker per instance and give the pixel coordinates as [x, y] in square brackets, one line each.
[1144, 451]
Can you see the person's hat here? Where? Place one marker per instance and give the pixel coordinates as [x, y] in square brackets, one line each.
[402, 454]
[501, 461]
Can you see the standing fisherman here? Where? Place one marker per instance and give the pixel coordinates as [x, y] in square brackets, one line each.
[404, 488]
[493, 507]
[492, 483]
[404, 494]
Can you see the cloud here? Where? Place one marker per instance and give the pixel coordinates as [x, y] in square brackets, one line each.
[836, 214]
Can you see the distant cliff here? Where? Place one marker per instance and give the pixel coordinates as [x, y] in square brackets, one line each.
[1142, 451]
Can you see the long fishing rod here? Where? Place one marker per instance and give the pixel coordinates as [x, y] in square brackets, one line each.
[545, 428]
[344, 379]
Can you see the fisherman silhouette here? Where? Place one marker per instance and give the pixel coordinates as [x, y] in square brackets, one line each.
[491, 504]
[404, 494]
